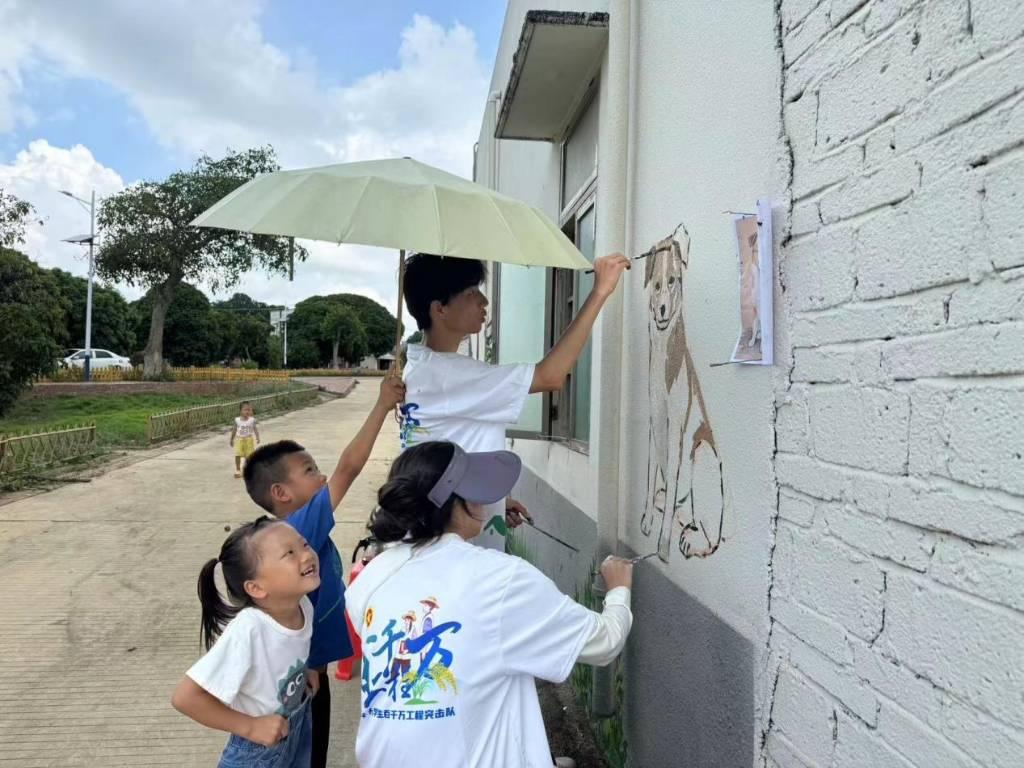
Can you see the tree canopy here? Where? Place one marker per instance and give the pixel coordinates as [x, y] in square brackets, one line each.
[113, 318]
[148, 240]
[344, 330]
[32, 324]
[310, 345]
[14, 214]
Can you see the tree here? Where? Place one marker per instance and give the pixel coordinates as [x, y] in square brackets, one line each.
[245, 327]
[306, 321]
[378, 321]
[416, 338]
[345, 332]
[244, 336]
[113, 318]
[14, 213]
[32, 318]
[275, 352]
[148, 240]
[241, 302]
[191, 334]
[303, 353]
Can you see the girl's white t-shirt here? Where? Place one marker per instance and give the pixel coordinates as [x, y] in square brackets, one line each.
[257, 666]
[452, 643]
[450, 396]
[245, 427]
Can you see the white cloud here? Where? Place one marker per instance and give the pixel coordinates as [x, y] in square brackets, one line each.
[203, 78]
[38, 174]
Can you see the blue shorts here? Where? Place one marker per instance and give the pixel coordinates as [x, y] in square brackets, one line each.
[293, 751]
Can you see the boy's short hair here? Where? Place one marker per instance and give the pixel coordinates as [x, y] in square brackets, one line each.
[265, 467]
[430, 278]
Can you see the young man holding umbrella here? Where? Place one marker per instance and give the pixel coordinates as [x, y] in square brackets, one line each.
[453, 397]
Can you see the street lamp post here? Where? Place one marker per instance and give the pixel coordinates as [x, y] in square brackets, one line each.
[279, 319]
[87, 372]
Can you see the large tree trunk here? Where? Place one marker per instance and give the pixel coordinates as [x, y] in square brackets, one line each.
[334, 356]
[162, 296]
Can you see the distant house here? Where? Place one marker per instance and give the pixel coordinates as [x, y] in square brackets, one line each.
[378, 363]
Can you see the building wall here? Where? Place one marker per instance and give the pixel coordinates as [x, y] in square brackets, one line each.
[896, 604]
[862, 607]
[707, 140]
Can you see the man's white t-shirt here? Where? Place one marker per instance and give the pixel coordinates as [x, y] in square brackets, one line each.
[258, 666]
[245, 427]
[449, 396]
[454, 686]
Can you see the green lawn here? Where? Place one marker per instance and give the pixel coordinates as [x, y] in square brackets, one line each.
[119, 419]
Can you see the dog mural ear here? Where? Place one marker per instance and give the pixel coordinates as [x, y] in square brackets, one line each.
[652, 255]
[677, 252]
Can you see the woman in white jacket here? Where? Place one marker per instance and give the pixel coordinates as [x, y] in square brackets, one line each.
[493, 624]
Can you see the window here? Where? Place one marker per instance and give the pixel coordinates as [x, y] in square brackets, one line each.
[568, 411]
[101, 353]
[533, 307]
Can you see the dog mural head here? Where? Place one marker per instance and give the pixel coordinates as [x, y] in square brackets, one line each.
[663, 277]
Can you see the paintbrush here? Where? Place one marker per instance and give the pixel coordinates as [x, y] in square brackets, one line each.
[633, 561]
[529, 521]
[643, 255]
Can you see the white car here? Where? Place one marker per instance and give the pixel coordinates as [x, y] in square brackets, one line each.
[101, 358]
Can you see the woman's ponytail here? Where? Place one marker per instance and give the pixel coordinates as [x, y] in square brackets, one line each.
[404, 512]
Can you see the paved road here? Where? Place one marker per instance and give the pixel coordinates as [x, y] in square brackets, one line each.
[98, 613]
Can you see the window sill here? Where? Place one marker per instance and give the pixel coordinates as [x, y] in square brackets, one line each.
[571, 444]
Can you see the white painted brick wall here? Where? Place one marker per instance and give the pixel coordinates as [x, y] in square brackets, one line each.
[897, 577]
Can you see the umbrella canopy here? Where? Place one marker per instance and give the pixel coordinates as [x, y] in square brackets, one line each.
[400, 203]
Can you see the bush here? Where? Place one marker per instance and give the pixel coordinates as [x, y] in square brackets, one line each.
[32, 323]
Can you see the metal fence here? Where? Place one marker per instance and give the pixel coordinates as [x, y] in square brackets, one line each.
[19, 453]
[75, 374]
[163, 426]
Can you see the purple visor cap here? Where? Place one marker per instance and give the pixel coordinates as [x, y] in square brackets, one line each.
[483, 478]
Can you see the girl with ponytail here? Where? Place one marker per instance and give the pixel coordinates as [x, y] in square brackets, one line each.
[253, 682]
[453, 634]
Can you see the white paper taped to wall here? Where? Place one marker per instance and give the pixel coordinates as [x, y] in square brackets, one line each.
[753, 232]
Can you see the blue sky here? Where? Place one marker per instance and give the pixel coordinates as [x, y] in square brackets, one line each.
[345, 40]
[98, 95]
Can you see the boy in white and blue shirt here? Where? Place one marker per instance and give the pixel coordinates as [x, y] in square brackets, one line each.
[450, 396]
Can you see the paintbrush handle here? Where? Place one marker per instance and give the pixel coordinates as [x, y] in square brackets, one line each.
[635, 258]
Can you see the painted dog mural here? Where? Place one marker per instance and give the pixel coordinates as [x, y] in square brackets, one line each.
[684, 474]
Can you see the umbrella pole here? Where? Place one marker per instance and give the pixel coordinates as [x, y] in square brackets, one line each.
[396, 364]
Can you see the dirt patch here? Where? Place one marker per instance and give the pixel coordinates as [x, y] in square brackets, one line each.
[568, 730]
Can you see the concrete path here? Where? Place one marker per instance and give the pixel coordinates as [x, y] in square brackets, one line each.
[338, 385]
[98, 613]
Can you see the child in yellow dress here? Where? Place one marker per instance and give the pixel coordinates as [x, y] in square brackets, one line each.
[245, 436]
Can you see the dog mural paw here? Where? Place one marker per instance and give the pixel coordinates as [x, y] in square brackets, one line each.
[693, 542]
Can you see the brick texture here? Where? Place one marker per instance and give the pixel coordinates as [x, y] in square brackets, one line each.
[896, 576]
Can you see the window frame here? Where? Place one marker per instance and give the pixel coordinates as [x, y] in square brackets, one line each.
[582, 202]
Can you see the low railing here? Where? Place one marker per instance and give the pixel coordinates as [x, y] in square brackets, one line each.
[163, 426]
[75, 374]
[336, 373]
[36, 450]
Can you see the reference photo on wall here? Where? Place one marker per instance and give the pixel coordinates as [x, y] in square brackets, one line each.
[754, 251]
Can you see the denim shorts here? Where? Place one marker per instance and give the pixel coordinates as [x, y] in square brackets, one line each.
[293, 751]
